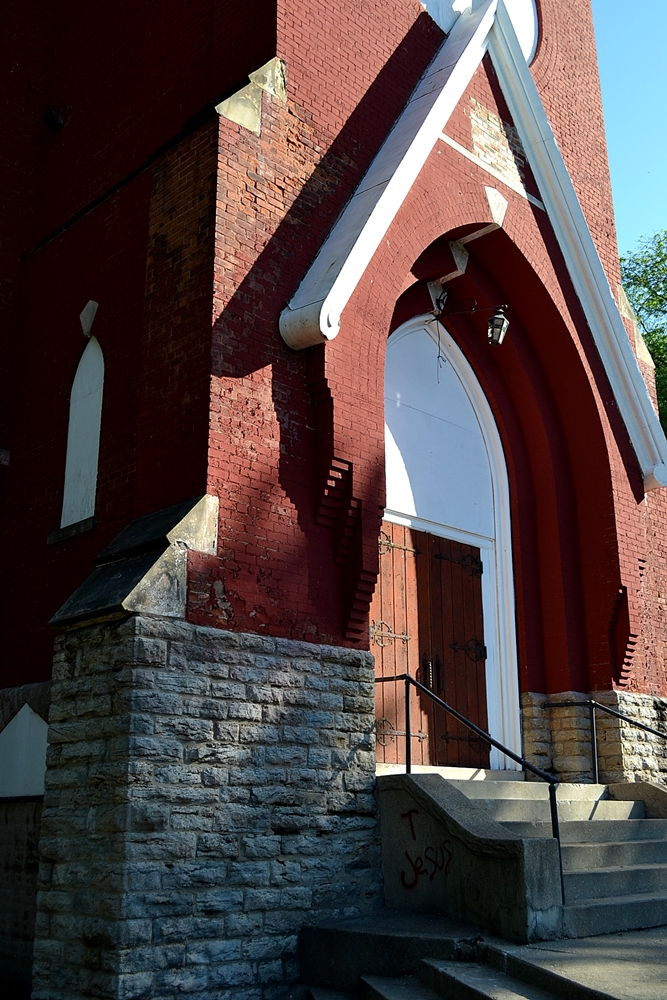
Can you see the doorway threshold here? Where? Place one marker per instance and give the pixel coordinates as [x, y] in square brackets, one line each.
[453, 773]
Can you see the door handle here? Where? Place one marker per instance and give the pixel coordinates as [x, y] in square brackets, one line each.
[427, 671]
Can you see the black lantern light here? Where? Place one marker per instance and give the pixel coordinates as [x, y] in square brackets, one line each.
[497, 326]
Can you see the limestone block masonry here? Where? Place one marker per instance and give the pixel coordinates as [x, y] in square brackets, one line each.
[558, 739]
[206, 793]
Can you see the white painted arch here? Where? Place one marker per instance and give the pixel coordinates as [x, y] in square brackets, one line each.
[446, 474]
[522, 12]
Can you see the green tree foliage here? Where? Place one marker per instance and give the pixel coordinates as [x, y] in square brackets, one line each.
[644, 273]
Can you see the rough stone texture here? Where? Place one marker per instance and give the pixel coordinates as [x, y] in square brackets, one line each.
[559, 739]
[19, 834]
[536, 731]
[205, 793]
[624, 752]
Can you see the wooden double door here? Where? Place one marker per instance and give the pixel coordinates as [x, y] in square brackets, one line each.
[426, 619]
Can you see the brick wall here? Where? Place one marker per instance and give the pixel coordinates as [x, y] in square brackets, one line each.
[295, 441]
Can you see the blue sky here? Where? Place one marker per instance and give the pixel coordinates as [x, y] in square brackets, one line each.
[633, 72]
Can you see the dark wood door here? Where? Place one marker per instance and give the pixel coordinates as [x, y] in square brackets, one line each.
[426, 619]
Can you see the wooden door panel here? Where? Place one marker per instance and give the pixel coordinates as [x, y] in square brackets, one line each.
[456, 572]
[426, 620]
[394, 627]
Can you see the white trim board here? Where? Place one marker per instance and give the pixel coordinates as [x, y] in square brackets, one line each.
[581, 257]
[313, 315]
[517, 188]
[498, 606]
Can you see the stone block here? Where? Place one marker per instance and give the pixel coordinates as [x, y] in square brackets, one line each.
[213, 952]
[231, 789]
[219, 901]
[231, 974]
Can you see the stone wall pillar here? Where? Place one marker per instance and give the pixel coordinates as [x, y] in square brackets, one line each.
[558, 739]
[206, 793]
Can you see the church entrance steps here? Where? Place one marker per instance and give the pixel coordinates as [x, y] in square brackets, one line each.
[483, 851]
[334, 955]
[388, 956]
[614, 857]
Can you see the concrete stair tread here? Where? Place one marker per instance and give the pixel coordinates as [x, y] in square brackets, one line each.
[636, 897]
[385, 942]
[469, 981]
[403, 988]
[317, 993]
[613, 914]
[598, 831]
[506, 810]
[531, 791]
[617, 854]
[613, 869]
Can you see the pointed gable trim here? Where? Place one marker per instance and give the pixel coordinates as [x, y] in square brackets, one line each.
[579, 251]
[313, 315]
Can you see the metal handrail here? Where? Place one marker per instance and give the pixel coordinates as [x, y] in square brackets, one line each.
[592, 705]
[544, 775]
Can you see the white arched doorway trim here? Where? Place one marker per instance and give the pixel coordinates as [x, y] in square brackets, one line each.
[502, 680]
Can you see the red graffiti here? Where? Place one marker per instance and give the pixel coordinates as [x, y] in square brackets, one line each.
[408, 815]
[436, 859]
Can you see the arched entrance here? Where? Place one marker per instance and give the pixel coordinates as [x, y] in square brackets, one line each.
[444, 605]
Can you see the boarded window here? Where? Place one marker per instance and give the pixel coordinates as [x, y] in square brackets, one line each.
[83, 437]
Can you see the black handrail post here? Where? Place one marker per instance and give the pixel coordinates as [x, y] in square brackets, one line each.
[408, 735]
[555, 829]
[594, 742]
[544, 775]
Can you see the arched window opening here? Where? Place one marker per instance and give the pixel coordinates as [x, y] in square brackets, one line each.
[83, 437]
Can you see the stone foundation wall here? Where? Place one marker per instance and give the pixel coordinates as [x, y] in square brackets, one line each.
[19, 835]
[559, 739]
[206, 793]
[624, 752]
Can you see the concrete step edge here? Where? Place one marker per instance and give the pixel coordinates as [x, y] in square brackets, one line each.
[460, 981]
[616, 843]
[402, 988]
[317, 993]
[631, 898]
[551, 982]
[614, 914]
[638, 866]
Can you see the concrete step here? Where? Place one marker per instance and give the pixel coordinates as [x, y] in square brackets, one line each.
[459, 981]
[534, 811]
[569, 979]
[585, 857]
[605, 882]
[532, 790]
[590, 917]
[462, 774]
[317, 993]
[405, 988]
[584, 832]
[384, 943]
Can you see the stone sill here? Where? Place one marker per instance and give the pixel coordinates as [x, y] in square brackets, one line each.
[70, 530]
